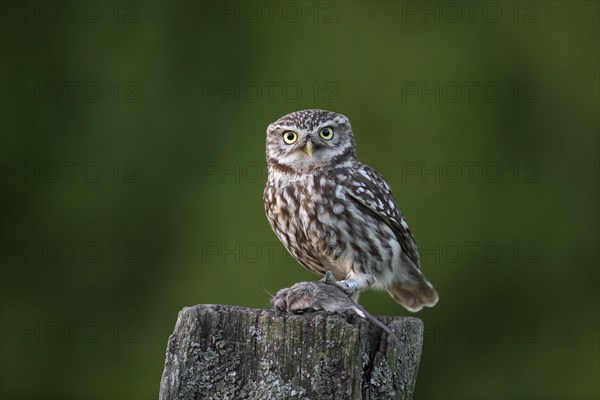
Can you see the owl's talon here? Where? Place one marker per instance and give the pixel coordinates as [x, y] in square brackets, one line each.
[348, 286]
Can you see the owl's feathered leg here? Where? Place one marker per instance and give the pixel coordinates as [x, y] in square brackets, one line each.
[348, 285]
[352, 287]
[357, 282]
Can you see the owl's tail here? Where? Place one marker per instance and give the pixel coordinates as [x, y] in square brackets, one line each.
[414, 294]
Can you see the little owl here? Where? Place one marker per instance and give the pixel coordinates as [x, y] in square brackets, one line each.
[334, 213]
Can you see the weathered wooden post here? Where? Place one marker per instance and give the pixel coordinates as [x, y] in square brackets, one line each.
[228, 352]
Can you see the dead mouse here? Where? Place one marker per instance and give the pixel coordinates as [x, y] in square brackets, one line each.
[326, 295]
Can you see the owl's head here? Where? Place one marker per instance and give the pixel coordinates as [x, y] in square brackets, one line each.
[308, 139]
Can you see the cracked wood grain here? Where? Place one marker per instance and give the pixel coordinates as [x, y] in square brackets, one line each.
[228, 352]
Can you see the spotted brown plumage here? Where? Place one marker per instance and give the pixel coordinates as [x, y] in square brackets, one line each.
[334, 213]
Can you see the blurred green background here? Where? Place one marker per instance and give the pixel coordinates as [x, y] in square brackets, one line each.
[132, 149]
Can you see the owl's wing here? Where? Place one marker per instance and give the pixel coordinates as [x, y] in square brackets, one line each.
[371, 191]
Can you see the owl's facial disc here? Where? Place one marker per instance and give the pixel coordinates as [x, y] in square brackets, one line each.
[310, 139]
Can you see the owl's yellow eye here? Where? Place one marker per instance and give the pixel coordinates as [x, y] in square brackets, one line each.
[326, 133]
[290, 137]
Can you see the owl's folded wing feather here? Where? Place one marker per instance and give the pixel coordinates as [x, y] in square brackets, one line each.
[371, 191]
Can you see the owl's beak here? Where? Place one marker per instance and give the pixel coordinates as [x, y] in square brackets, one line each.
[309, 148]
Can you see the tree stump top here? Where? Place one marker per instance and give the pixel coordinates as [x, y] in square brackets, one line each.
[230, 352]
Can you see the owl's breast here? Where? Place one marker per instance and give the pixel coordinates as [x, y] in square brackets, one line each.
[306, 215]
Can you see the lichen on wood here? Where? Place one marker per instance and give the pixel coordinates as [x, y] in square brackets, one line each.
[228, 352]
